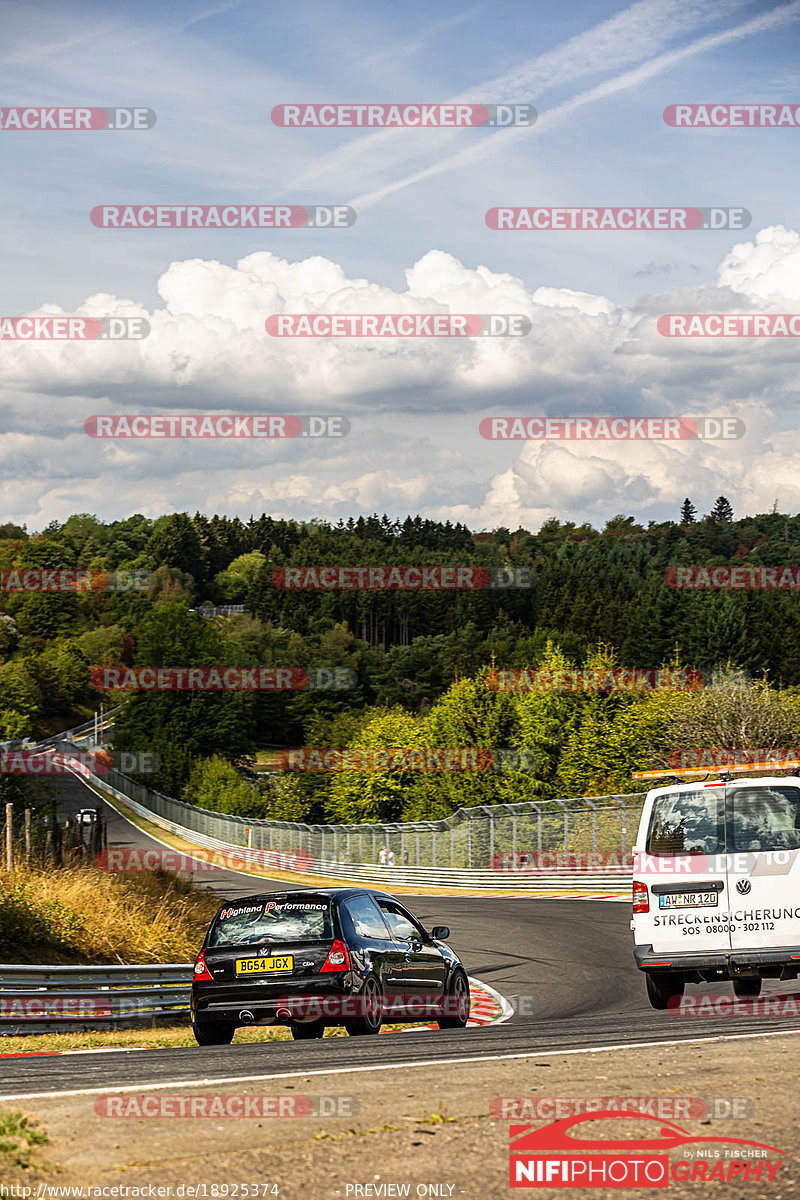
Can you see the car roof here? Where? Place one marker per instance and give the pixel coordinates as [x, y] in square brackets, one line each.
[335, 893]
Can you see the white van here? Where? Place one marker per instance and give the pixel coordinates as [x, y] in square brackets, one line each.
[716, 885]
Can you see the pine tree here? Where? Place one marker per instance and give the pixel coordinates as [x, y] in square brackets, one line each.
[722, 510]
[688, 512]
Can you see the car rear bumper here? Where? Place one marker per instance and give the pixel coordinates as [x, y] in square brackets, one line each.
[270, 1001]
[774, 961]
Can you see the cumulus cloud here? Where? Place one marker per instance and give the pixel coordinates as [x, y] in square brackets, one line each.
[414, 404]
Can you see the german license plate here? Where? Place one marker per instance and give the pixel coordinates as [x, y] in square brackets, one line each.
[688, 900]
[259, 966]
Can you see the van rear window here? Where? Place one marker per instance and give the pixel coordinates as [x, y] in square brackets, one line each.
[687, 823]
[765, 818]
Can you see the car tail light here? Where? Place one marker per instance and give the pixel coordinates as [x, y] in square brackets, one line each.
[201, 971]
[641, 898]
[338, 959]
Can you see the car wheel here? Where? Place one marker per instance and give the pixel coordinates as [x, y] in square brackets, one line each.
[307, 1029]
[456, 999]
[214, 1033]
[371, 1018]
[661, 988]
[747, 987]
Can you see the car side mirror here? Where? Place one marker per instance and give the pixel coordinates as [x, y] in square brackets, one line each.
[440, 932]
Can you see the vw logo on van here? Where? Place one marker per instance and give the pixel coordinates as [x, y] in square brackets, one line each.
[743, 887]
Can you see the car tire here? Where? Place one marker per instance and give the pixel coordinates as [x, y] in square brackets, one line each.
[303, 1030]
[456, 998]
[371, 1019]
[747, 987]
[662, 987]
[214, 1033]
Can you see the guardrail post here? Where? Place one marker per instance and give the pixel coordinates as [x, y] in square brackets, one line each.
[485, 808]
[9, 837]
[593, 807]
[624, 829]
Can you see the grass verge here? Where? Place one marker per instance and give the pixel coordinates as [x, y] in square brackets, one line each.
[152, 1038]
[81, 915]
[20, 1137]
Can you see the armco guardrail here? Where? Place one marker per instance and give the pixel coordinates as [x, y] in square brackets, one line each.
[50, 998]
[610, 879]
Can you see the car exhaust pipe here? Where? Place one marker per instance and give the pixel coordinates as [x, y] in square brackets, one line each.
[283, 1014]
[246, 1017]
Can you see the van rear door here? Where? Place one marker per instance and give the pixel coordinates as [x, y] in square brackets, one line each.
[684, 868]
[763, 820]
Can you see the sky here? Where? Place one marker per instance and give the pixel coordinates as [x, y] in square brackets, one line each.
[599, 75]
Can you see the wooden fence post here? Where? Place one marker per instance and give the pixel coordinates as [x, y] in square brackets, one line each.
[27, 837]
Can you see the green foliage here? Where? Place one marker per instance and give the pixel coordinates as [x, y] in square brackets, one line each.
[216, 784]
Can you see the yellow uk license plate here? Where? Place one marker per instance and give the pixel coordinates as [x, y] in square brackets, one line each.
[258, 966]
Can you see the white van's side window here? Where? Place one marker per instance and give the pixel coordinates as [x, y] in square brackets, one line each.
[687, 823]
[765, 818]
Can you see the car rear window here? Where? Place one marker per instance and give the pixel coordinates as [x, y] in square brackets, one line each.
[765, 818]
[309, 919]
[687, 823]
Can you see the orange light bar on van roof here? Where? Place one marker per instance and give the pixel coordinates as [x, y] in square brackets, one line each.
[782, 764]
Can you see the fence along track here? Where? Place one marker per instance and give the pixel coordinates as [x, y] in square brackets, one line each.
[238, 857]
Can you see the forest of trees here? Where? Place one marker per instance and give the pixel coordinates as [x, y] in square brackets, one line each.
[595, 595]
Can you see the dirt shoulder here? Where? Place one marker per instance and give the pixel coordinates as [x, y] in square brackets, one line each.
[433, 1128]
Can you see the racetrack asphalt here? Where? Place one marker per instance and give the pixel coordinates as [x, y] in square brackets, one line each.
[565, 965]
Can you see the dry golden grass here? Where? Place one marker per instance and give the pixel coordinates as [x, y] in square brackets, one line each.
[81, 914]
[151, 1037]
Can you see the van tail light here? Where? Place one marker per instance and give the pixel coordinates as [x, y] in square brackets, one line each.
[201, 971]
[641, 898]
[338, 958]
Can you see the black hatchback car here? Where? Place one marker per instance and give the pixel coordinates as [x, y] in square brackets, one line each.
[331, 956]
